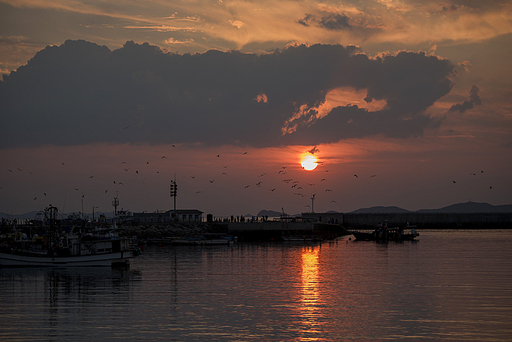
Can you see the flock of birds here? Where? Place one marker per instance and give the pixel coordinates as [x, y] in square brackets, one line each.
[281, 180]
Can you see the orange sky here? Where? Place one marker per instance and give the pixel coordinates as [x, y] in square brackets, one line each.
[470, 130]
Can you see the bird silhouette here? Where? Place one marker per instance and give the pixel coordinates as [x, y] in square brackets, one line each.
[356, 176]
[454, 182]
[213, 180]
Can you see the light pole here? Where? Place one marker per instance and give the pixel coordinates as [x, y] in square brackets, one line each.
[313, 204]
[82, 213]
[115, 203]
[174, 193]
[93, 207]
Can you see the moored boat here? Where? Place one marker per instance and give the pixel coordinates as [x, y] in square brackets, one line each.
[383, 233]
[55, 246]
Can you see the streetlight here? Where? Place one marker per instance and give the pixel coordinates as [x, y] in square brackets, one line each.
[93, 207]
[115, 203]
[173, 192]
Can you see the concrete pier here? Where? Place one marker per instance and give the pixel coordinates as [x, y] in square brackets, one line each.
[421, 220]
[276, 229]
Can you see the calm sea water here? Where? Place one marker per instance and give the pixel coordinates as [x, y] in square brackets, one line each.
[447, 286]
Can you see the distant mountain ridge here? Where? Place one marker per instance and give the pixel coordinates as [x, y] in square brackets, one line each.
[380, 210]
[467, 207]
[270, 213]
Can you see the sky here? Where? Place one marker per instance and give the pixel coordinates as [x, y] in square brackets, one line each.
[403, 103]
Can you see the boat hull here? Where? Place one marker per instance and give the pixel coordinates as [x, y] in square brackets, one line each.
[92, 260]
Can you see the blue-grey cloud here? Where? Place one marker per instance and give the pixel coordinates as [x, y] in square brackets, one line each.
[474, 99]
[335, 22]
[81, 92]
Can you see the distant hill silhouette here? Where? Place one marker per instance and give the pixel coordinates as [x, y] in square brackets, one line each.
[270, 213]
[471, 207]
[467, 207]
[380, 210]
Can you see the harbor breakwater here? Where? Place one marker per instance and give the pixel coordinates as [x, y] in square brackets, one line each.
[326, 225]
[420, 220]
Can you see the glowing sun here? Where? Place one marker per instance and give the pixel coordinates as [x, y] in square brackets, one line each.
[309, 162]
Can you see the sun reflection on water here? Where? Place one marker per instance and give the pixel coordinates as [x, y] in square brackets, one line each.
[310, 310]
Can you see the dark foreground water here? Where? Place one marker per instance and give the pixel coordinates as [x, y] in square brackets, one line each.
[448, 286]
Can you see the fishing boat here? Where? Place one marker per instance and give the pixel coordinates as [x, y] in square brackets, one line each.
[301, 238]
[383, 233]
[57, 247]
[215, 239]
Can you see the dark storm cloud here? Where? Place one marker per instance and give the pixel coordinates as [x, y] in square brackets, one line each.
[80, 92]
[474, 99]
[335, 22]
[306, 20]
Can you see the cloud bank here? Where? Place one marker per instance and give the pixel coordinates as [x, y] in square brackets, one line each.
[80, 93]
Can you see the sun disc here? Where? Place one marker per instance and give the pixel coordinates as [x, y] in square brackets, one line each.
[309, 162]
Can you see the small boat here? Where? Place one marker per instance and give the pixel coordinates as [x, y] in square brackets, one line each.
[58, 247]
[205, 239]
[382, 233]
[214, 239]
[301, 238]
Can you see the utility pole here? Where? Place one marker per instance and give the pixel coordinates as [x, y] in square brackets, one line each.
[93, 207]
[82, 213]
[174, 193]
[115, 203]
